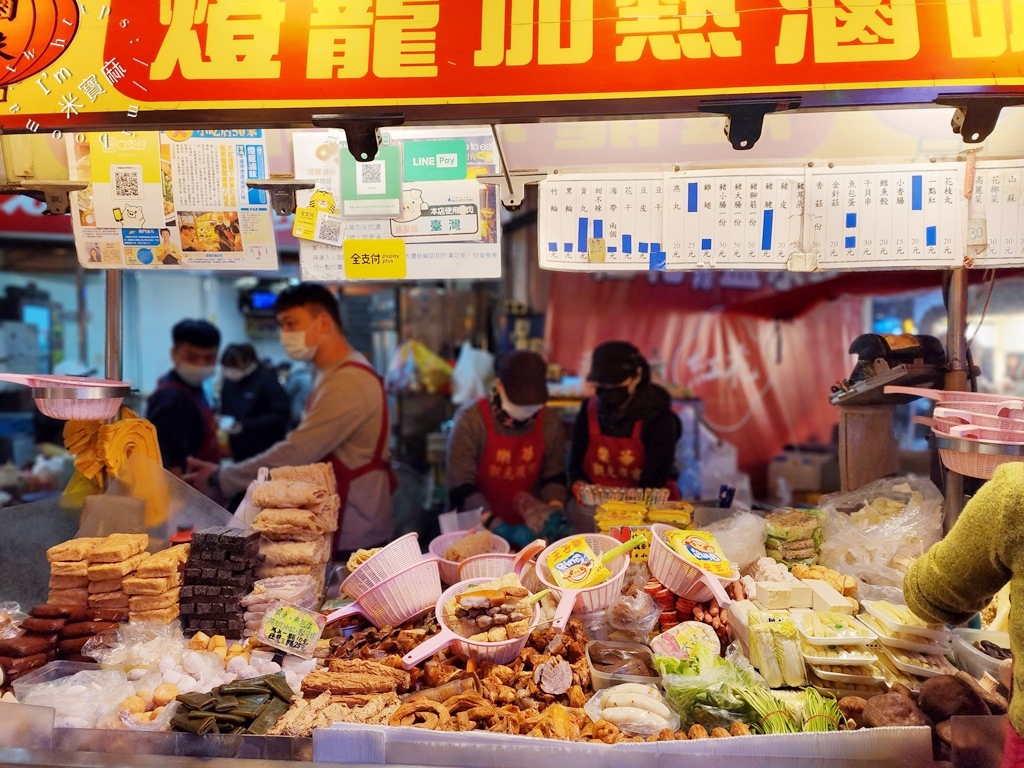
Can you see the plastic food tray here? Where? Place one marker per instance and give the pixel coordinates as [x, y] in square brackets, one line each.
[944, 667]
[929, 631]
[970, 659]
[851, 677]
[855, 655]
[47, 673]
[894, 676]
[841, 690]
[600, 680]
[864, 639]
[919, 645]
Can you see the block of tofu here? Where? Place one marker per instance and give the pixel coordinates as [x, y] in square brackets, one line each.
[773, 595]
[825, 597]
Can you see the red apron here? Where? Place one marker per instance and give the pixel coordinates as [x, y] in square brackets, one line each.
[209, 449]
[1013, 749]
[345, 475]
[616, 462]
[508, 465]
[612, 461]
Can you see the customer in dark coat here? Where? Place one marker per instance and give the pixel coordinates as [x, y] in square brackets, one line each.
[252, 395]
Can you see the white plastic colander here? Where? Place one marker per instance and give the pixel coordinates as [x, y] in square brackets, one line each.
[450, 568]
[407, 594]
[588, 599]
[680, 577]
[399, 554]
[502, 652]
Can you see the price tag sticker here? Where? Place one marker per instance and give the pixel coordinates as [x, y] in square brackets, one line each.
[597, 250]
[367, 259]
[292, 629]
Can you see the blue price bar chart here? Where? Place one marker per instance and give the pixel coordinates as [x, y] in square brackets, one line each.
[734, 219]
[610, 222]
[902, 215]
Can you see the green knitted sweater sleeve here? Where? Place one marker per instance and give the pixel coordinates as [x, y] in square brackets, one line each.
[958, 576]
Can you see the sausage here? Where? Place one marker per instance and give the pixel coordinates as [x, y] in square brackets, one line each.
[42, 626]
[73, 645]
[650, 703]
[635, 717]
[47, 611]
[27, 645]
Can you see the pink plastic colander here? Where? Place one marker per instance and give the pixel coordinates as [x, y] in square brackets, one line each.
[449, 568]
[960, 416]
[502, 652]
[405, 595]
[987, 434]
[972, 402]
[494, 565]
[589, 599]
[73, 397]
[399, 554]
[680, 577]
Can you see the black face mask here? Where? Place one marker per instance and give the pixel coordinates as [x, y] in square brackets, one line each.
[613, 398]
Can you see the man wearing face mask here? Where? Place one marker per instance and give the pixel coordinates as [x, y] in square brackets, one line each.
[179, 409]
[508, 451]
[255, 401]
[345, 422]
[625, 436]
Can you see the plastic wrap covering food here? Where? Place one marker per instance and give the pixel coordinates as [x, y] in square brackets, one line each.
[775, 648]
[741, 537]
[634, 708]
[875, 532]
[634, 613]
[82, 700]
[10, 617]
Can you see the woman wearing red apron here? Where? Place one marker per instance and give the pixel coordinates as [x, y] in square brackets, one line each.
[506, 453]
[625, 436]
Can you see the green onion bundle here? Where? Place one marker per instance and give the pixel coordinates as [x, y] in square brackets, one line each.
[821, 713]
[773, 715]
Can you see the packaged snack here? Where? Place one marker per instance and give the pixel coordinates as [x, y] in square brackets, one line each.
[575, 566]
[700, 548]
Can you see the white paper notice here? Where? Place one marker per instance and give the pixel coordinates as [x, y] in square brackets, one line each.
[451, 227]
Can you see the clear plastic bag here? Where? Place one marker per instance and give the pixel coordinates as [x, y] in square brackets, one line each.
[646, 723]
[10, 617]
[84, 699]
[875, 532]
[741, 537]
[140, 645]
[635, 615]
[710, 697]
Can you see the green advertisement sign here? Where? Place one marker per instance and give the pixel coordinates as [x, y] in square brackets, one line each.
[435, 160]
[373, 188]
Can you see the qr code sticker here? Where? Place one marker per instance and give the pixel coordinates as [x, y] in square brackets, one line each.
[126, 181]
[328, 229]
[370, 178]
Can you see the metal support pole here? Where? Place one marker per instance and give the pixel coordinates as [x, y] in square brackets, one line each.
[82, 316]
[956, 379]
[112, 350]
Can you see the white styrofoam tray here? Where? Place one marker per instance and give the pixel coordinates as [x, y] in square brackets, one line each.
[920, 645]
[930, 631]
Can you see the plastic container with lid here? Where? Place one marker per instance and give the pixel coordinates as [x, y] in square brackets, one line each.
[600, 679]
[843, 629]
[976, 663]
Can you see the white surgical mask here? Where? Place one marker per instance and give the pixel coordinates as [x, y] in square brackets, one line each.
[518, 412]
[194, 375]
[294, 343]
[234, 374]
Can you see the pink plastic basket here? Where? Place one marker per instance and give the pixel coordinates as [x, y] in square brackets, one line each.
[987, 434]
[980, 465]
[399, 554]
[680, 577]
[405, 595]
[589, 599]
[450, 568]
[503, 652]
[497, 564]
[954, 396]
[954, 416]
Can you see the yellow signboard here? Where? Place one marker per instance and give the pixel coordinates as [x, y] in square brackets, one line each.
[375, 259]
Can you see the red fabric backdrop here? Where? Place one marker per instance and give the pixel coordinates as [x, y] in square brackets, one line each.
[765, 383]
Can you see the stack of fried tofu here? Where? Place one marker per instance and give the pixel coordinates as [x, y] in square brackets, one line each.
[69, 571]
[154, 592]
[300, 511]
[111, 561]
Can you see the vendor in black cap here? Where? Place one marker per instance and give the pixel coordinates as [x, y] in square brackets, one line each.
[625, 436]
[507, 446]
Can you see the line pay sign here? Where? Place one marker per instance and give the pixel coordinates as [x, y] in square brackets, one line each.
[435, 160]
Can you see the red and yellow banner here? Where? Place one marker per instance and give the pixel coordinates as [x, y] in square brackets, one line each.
[95, 63]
